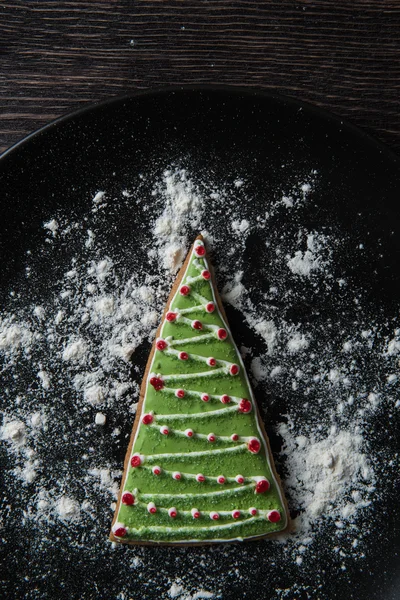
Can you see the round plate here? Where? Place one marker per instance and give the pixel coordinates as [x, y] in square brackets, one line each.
[268, 146]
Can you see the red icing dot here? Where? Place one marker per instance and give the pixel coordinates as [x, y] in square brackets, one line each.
[210, 307]
[195, 513]
[157, 383]
[239, 478]
[236, 514]
[234, 369]
[127, 498]
[262, 486]
[184, 290]
[205, 397]
[221, 479]
[136, 461]
[222, 333]
[253, 511]
[172, 512]
[274, 516]
[151, 507]
[211, 361]
[197, 325]
[254, 445]
[200, 477]
[156, 470]
[170, 316]
[161, 345]
[214, 516]
[189, 433]
[147, 419]
[180, 393]
[225, 399]
[164, 430]
[206, 274]
[234, 437]
[244, 406]
[176, 475]
[120, 531]
[183, 355]
[200, 250]
[211, 437]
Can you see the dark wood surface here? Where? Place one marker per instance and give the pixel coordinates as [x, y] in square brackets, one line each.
[57, 56]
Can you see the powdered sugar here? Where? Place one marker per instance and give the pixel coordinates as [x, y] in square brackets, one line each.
[184, 206]
[14, 335]
[323, 473]
[324, 374]
[308, 262]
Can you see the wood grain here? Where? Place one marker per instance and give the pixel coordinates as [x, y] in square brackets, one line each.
[58, 56]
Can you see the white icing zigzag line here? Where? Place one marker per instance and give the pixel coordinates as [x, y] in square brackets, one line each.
[244, 513]
[197, 264]
[199, 297]
[195, 279]
[199, 308]
[191, 530]
[202, 436]
[191, 393]
[182, 417]
[183, 376]
[205, 326]
[208, 478]
[154, 458]
[220, 493]
[199, 357]
[193, 340]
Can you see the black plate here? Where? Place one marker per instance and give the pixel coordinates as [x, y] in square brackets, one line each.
[217, 134]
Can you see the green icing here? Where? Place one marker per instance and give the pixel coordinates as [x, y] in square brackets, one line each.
[188, 493]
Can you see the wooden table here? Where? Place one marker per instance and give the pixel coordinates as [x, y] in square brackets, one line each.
[57, 56]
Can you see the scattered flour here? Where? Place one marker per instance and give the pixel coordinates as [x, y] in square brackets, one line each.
[184, 206]
[45, 379]
[323, 473]
[309, 261]
[177, 590]
[67, 509]
[298, 342]
[14, 432]
[75, 351]
[52, 226]
[75, 348]
[14, 335]
[100, 419]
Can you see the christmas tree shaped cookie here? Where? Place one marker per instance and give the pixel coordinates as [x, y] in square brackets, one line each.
[198, 468]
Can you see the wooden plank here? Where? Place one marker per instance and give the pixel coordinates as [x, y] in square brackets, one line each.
[58, 56]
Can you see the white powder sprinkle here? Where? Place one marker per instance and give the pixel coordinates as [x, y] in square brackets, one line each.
[68, 509]
[309, 261]
[321, 472]
[45, 379]
[14, 432]
[298, 342]
[184, 206]
[14, 335]
[100, 419]
[94, 394]
[99, 198]
[52, 226]
[75, 351]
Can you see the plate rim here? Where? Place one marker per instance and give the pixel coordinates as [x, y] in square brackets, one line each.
[233, 90]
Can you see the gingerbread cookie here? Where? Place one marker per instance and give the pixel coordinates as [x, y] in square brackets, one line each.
[198, 468]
